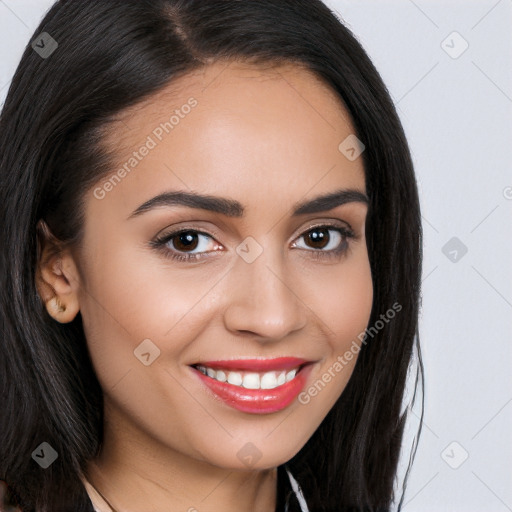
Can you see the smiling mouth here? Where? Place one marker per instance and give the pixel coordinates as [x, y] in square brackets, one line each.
[256, 386]
[251, 379]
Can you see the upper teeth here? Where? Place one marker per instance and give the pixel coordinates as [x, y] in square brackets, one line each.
[250, 380]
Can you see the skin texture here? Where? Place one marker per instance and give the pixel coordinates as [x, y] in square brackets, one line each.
[267, 138]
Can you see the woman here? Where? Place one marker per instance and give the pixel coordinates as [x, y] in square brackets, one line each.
[211, 262]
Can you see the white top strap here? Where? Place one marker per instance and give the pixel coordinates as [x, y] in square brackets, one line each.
[298, 492]
[100, 505]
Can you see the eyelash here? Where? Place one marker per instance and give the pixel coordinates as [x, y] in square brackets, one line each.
[161, 242]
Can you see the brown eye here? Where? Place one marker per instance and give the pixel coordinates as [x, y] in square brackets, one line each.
[179, 245]
[186, 240]
[325, 241]
[318, 238]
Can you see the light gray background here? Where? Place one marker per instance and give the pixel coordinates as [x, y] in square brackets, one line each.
[456, 108]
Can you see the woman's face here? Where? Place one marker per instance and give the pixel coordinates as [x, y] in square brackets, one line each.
[260, 282]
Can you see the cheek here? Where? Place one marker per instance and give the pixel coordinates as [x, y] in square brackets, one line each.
[341, 302]
[128, 300]
[344, 310]
[131, 289]
[344, 302]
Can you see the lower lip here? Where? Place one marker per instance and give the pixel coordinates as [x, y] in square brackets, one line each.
[258, 401]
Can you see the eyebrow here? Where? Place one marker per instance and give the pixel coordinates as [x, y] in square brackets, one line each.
[233, 208]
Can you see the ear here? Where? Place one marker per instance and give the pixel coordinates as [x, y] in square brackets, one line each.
[56, 276]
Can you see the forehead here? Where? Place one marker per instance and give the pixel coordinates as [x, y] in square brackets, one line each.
[228, 83]
[234, 129]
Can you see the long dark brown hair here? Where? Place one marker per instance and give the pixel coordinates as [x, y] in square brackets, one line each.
[113, 54]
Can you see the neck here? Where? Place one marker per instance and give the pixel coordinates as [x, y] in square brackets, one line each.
[134, 475]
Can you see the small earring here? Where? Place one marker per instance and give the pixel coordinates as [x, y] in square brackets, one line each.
[57, 306]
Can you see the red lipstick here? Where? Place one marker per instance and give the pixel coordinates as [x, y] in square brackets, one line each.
[256, 401]
[256, 365]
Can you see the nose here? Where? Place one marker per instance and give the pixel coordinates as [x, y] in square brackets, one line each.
[263, 301]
